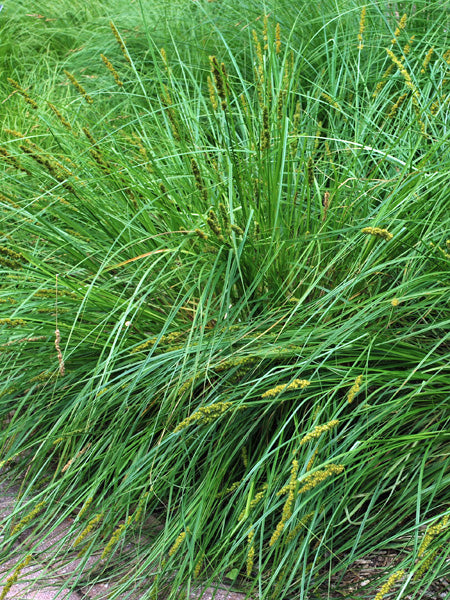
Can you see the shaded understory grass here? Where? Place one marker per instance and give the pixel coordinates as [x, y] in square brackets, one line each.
[225, 302]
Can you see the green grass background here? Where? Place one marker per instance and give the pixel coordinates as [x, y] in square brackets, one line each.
[198, 244]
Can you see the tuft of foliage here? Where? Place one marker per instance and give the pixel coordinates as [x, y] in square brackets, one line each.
[224, 302]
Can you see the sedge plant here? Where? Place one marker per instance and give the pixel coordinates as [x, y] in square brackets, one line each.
[224, 309]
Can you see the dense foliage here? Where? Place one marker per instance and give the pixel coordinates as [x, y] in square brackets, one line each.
[224, 293]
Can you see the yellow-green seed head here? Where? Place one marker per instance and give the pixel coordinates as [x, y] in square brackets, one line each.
[362, 26]
[354, 389]
[296, 384]
[313, 479]
[318, 431]
[389, 584]
[79, 87]
[378, 232]
[177, 543]
[277, 38]
[399, 28]
[112, 70]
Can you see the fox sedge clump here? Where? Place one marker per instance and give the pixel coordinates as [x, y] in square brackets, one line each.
[287, 512]
[230, 489]
[212, 262]
[407, 47]
[7, 200]
[164, 340]
[62, 367]
[94, 151]
[140, 507]
[266, 32]
[399, 64]
[441, 250]
[166, 100]
[310, 464]
[380, 85]
[258, 48]
[225, 218]
[201, 234]
[244, 456]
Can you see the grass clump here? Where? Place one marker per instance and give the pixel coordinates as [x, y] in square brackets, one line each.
[225, 290]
